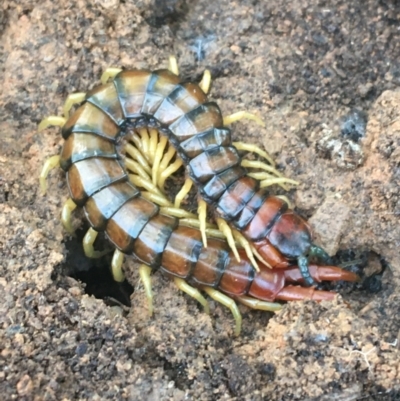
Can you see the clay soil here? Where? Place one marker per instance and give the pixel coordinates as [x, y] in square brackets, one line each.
[325, 76]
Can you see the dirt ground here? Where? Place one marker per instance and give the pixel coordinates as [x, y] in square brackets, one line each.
[325, 77]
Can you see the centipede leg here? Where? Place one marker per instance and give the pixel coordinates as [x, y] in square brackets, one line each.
[248, 147]
[171, 169]
[202, 212]
[73, 98]
[68, 208]
[109, 73]
[240, 115]
[245, 244]
[49, 165]
[137, 155]
[144, 273]
[258, 304]
[229, 303]
[226, 230]
[193, 292]
[205, 82]
[173, 65]
[88, 241]
[153, 144]
[51, 121]
[116, 266]
[187, 186]
[157, 158]
[270, 172]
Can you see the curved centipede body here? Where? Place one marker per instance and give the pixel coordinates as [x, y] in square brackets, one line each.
[195, 127]
[99, 182]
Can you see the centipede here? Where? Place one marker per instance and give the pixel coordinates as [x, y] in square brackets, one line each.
[124, 139]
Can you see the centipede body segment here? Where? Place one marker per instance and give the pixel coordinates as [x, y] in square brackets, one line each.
[98, 181]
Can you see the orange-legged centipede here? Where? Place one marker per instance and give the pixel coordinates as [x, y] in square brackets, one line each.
[98, 182]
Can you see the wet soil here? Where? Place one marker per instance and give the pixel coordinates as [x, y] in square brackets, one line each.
[325, 77]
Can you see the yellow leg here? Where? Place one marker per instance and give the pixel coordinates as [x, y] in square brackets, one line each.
[248, 147]
[202, 212]
[187, 186]
[245, 244]
[157, 199]
[167, 158]
[205, 82]
[229, 303]
[73, 98]
[177, 212]
[259, 257]
[153, 144]
[137, 155]
[173, 65]
[260, 165]
[168, 172]
[240, 115]
[68, 208]
[49, 164]
[116, 266]
[134, 138]
[258, 304]
[279, 180]
[51, 121]
[286, 200]
[147, 185]
[135, 167]
[144, 273]
[157, 158]
[144, 135]
[88, 242]
[226, 230]
[109, 73]
[193, 292]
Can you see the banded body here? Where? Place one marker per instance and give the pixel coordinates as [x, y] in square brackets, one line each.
[99, 182]
[194, 126]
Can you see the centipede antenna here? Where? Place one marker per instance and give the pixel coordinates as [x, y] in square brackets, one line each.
[304, 267]
[320, 253]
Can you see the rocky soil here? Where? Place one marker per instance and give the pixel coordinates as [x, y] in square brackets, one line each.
[325, 77]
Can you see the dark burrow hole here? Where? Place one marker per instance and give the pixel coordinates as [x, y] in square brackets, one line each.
[95, 273]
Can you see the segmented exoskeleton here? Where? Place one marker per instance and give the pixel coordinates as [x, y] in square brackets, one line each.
[99, 182]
